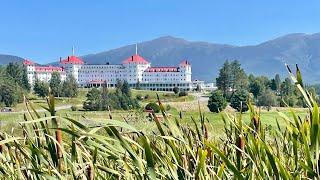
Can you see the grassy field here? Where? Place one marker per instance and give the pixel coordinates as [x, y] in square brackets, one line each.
[188, 106]
[139, 118]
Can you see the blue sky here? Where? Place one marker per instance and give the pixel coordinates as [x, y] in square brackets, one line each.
[44, 30]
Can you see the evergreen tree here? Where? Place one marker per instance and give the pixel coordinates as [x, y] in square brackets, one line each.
[55, 84]
[41, 88]
[93, 102]
[277, 81]
[24, 80]
[217, 102]
[231, 76]
[256, 87]
[223, 81]
[239, 100]
[70, 87]
[125, 89]
[238, 79]
[8, 95]
[286, 87]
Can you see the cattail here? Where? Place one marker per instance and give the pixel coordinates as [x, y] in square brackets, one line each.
[90, 172]
[240, 145]
[256, 121]
[205, 131]
[110, 116]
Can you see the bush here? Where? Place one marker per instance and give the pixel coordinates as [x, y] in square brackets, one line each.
[153, 106]
[239, 100]
[168, 107]
[183, 93]
[139, 97]
[267, 99]
[74, 108]
[146, 96]
[217, 102]
[176, 90]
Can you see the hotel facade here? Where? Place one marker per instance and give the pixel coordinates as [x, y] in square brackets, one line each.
[137, 71]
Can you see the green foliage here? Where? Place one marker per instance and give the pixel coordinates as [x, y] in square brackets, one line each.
[74, 108]
[55, 84]
[125, 89]
[267, 99]
[41, 88]
[146, 96]
[98, 100]
[18, 73]
[256, 87]
[217, 102]
[139, 97]
[239, 100]
[10, 95]
[69, 87]
[93, 102]
[231, 77]
[153, 106]
[183, 93]
[176, 90]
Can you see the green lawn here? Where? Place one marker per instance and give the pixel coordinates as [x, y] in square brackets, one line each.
[138, 118]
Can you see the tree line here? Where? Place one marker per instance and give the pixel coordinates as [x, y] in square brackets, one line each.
[103, 99]
[58, 88]
[236, 87]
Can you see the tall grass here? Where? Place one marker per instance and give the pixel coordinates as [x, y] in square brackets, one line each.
[112, 149]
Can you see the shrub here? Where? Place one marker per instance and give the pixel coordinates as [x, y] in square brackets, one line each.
[74, 108]
[139, 97]
[239, 100]
[176, 90]
[168, 107]
[217, 102]
[153, 106]
[183, 93]
[146, 96]
[267, 99]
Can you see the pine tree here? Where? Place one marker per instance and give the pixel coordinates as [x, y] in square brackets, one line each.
[217, 102]
[41, 88]
[277, 82]
[223, 81]
[55, 84]
[70, 87]
[125, 89]
[24, 80]
[239, 100]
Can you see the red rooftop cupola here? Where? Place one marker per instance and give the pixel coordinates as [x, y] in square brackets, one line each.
[28, 62]
[185, 63]
[135, 59]
[72, 60]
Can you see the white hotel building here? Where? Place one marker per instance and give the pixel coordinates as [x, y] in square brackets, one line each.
[135, 70]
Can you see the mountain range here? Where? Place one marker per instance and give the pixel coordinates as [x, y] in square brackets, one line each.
[267, 58]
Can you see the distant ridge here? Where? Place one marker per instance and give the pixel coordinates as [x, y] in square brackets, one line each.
[267, 58]
[6, 59]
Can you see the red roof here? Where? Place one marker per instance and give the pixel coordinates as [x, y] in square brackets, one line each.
[185, 62]
[72, 60]
[135, 59]
[162, 69]
[28, 62]
[48, 69]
